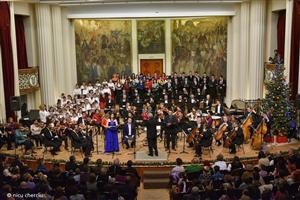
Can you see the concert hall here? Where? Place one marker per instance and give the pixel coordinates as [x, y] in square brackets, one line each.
[149, 99]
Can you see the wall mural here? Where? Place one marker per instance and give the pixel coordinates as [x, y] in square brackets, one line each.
[200, 45]
[103, 47]
[151, 36]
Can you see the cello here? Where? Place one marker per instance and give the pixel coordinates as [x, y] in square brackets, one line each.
[246, 125]
[228, 141]
[219, 133]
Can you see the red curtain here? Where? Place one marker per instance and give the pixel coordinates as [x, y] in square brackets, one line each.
[281, 33]
[294, 66]
[7, 57]
[21, 43]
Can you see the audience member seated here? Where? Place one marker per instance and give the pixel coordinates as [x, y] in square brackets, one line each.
[84, 182]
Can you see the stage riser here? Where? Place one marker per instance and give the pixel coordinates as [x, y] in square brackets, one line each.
[154, 179]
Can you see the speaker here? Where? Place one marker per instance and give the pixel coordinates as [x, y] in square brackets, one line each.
[298, 101]
[15, 103]
[34, 115]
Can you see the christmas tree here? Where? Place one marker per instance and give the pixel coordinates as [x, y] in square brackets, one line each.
[277, 101]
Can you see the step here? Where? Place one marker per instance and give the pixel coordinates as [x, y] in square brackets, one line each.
[162, 183]
[156, 174]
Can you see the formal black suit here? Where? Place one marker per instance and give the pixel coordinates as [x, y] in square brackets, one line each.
[126, 135]
[207, 105]
[152, 134]
[205, 141]
[50, 139]
[171, 130]
[220, 112]
[238, 140]
[221, 89]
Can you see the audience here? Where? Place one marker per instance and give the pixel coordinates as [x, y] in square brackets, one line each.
[271, 178]
[75, 182]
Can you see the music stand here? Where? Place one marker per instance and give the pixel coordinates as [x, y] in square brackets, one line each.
[183, 146]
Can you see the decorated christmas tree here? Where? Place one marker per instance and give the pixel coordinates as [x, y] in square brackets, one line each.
[277, 101]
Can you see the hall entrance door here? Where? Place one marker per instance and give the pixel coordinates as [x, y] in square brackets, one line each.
[151, 66]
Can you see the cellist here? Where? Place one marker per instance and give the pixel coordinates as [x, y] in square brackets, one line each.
[203, 139]
[225, 127]
[239, 139]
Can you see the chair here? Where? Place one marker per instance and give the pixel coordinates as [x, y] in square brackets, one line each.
[209, 148]
[74, 146]
[45, 144]
[240, 146]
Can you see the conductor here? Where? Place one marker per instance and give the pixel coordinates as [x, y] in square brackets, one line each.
[151, 134]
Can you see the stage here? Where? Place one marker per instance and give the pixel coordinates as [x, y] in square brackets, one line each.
[141, 155]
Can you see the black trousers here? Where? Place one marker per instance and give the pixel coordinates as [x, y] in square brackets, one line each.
[10, 140]
[37, 139]
[152, 145]
[126, 142]
[171, 138]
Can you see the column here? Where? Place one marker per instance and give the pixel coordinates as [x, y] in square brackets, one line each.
[72, 56]
[168, 49]
[45, 49]
[256, 58]
[66, 45]
[14, 48]
[288, 38]
[230, 56]
[244, 50]
[235, 71]
[2, 97]
[134, 48]
[58, 52]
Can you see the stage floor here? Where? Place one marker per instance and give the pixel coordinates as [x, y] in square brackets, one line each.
[127, 154]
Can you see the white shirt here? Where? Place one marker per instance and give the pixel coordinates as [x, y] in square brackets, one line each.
[43, 115]
[221, 164]
[35, 130]
[129, 129]
[76, 91]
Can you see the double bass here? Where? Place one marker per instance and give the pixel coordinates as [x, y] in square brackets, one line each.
[246, 125]
[258, 136]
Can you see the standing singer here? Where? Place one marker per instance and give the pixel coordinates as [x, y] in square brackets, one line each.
[111, 137]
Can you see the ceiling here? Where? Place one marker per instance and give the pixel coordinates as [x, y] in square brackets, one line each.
[95, 2]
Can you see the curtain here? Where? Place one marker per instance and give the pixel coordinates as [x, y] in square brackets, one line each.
[294, 63]
[7, 57]
[281, 33]
[21, 42]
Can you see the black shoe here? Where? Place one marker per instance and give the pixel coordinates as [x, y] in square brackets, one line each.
[149, 154]
[174, 149]
[156, 154]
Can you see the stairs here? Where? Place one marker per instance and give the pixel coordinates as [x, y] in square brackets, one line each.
[154, 179]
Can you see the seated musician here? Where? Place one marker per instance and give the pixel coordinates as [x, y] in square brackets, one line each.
[51, 138]
[79, 139]
[239, 139]
[208, 119]
[22, 139]
[192, 116]
[204, 139]
[227, 125]
[35, 129]
[219, 109]
[129, 133]
[2, 136]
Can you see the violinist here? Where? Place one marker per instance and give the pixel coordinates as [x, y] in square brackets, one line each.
[193, 115]
[10, 128]
[51, 138]
[35, 130]
[203, 139]
[2, 136]
[239, 139]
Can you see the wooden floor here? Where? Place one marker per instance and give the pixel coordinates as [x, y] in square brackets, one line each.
[127, 154]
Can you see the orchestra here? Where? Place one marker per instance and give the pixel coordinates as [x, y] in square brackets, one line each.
[165, 105]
